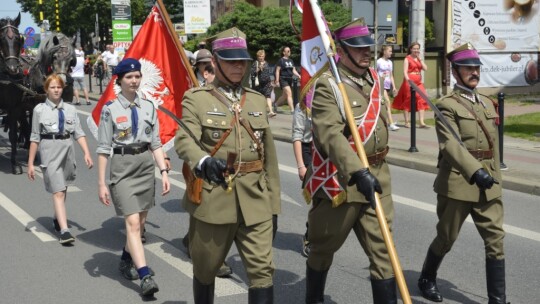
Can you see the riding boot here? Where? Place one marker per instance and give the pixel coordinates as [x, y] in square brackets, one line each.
[315, 281]
[261, 295]
[427, 281]
[496, 283]
[203, 294]
[384, 291]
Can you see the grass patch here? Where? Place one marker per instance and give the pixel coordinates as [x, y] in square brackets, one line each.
[526, 126]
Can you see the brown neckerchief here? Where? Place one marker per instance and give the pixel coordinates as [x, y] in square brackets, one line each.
[480, 123]
[243, 122]
[359, 89]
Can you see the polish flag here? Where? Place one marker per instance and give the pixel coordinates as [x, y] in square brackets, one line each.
[165, 74]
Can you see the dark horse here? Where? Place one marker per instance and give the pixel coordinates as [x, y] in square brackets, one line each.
[56, 55]
[11, 84]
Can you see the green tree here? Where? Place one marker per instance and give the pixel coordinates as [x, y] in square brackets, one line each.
[269, 28]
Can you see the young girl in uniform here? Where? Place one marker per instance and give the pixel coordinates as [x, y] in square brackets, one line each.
[53, 124]
[128, 133]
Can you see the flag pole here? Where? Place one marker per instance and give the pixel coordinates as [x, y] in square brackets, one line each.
[177, 42]
[394, 259]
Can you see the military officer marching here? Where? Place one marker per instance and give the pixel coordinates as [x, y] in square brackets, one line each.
[341, 188]
[228, 143]
[468, 176]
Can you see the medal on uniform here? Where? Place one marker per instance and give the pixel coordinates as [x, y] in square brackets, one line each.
[123, 134]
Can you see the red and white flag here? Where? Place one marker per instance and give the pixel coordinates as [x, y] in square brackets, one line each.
[314, 60]
[165, 75]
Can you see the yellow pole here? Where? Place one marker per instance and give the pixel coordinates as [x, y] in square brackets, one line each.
[57, 6]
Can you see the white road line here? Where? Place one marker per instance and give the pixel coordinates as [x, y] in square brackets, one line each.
[509, 229]
[25, 219]
[178, 260]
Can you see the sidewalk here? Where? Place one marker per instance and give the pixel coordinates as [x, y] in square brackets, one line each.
[522, 157]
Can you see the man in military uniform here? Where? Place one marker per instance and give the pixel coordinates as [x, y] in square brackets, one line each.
[468, 179]
[229, 144]
[336, 213]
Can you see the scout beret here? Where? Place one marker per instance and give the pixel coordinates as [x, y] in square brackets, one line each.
[230, 45]
[354, 34]
[203, 55]
[465, 55]
[127, 65]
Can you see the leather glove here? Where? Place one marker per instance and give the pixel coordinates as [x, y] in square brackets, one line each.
[367, 184]
[212, 170]
[483, 180]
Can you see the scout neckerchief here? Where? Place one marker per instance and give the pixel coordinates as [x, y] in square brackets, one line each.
[324, 171]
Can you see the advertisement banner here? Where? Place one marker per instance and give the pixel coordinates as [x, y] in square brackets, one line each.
[121, 24]
[121, 30]
[197, 16]
[506, 35]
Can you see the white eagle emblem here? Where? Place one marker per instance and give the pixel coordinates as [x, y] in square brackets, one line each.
[152, 87]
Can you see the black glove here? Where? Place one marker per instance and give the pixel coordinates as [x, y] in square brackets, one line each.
[483, 180]
[366, 184]
[212, 170]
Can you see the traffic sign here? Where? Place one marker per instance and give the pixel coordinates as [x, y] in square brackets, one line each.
[29, 31]
[29, 42]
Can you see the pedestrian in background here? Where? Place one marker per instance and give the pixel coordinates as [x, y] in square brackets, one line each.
[412, 69]
[204, 58]
[128, 133]
[53, 124]
[468, 181]
[261, 75]
[77, 74]
[345, 202]
[240, 191]
[385, 69]
[284, 73]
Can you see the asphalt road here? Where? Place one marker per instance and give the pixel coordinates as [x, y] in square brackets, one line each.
[35, 268]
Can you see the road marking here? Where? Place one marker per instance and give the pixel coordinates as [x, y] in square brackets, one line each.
[25, 219]
[177, 259]
[509, 229]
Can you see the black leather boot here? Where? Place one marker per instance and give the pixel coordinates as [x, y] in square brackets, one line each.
[427, 281]
[496, 282]
[315, 281]
[203, 294]
[384, 291]
[261, 295]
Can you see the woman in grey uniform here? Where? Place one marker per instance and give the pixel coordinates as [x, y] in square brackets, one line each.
[53, 124]
[128, 133]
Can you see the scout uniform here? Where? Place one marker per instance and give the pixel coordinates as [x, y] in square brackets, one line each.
[52, 126]
[473, 117]
[242, 214]
[337, 207]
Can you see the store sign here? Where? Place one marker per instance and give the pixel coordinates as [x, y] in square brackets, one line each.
[197, 16]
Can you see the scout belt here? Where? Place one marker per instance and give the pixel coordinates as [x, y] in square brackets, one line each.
[132, 150]
[481, 154]
[55, 136]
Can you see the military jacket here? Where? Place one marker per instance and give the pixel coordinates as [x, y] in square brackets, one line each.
[456, 165]
[115, 127]
[45, 120]
[331, 132]
[257, 194]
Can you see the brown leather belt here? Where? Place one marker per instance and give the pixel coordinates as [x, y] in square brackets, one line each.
[378, 157]
[248, 167]
[481, 154]
[55, 136]
[132, 150]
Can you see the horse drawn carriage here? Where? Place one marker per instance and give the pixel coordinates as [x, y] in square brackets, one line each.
[21, 80]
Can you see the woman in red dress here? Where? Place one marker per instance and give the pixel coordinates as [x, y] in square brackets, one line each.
[412, 68]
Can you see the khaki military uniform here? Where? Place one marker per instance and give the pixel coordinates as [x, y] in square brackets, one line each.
[328, 226]
[457, 195]
[243, 215]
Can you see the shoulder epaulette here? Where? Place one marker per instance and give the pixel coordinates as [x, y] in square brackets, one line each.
[493, 101]
[201, 89]
[252, 90]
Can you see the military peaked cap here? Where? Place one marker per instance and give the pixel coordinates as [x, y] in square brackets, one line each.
[230, 45]
[354, 34]
[465, 55]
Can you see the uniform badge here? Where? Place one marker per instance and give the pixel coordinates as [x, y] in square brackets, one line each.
[121, 119]
[122, 135]
[105, 116]
[255, 114]
[216, 134]
[147, 130]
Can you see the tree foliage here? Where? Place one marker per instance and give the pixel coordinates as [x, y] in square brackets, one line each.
[269, 28]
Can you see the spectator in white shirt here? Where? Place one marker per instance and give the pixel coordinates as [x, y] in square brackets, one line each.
[77, 73]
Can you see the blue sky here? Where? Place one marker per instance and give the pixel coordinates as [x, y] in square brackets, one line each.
[10, 8]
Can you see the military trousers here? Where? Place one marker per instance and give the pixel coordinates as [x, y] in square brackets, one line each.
[486, 215]
[210, 243]
[329, 228]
